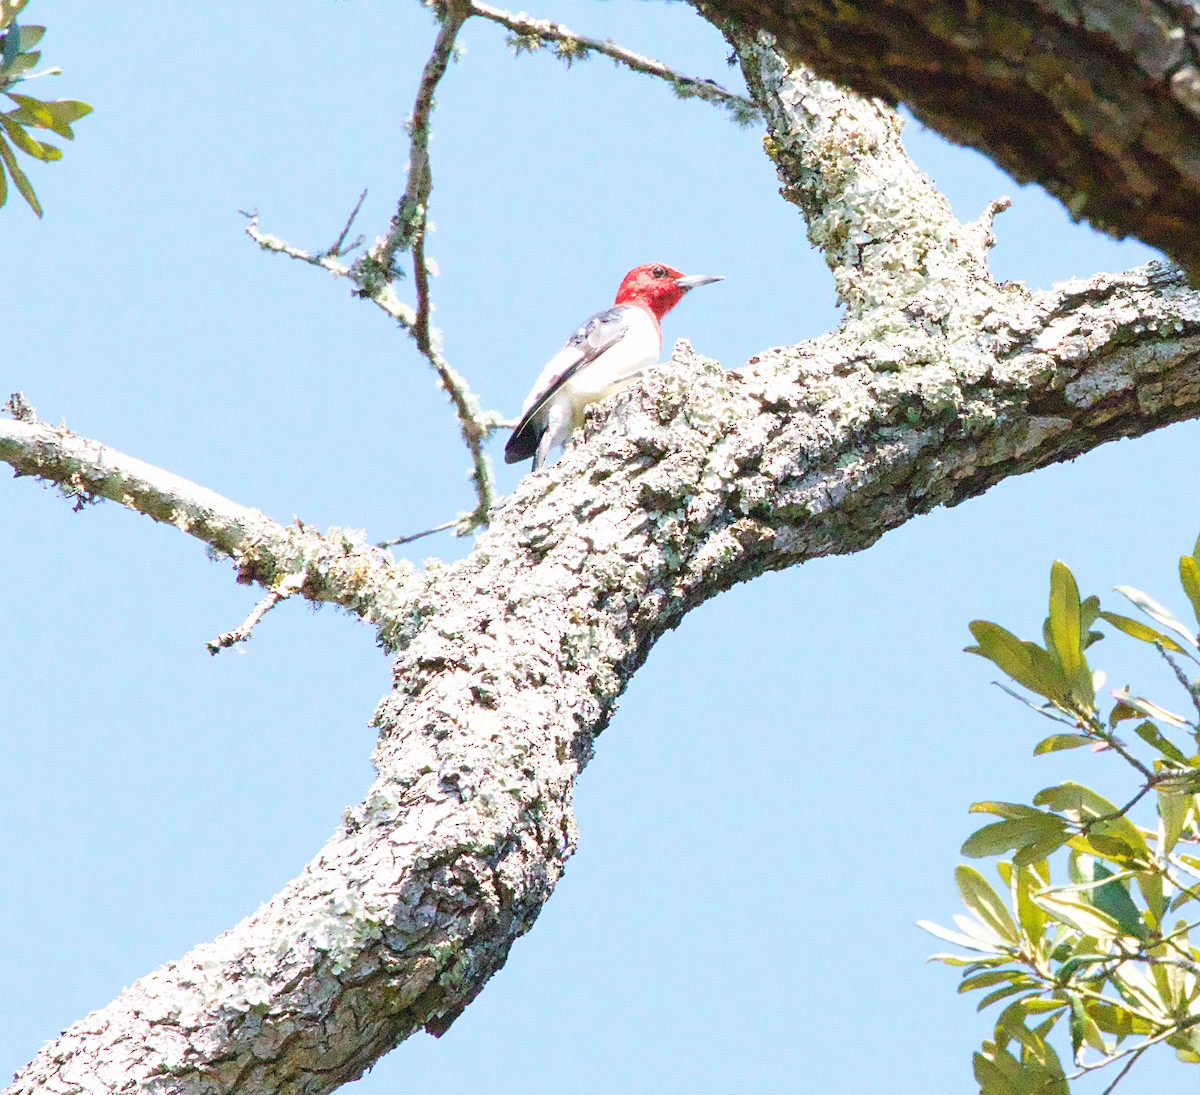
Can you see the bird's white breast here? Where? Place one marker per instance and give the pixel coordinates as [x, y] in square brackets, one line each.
[636, 350]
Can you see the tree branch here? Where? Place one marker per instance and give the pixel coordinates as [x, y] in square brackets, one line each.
[511, 661]
[281, 591]
[328, 567]
[888, 236]
[529, 33]
[375, 273]
[1097, 100]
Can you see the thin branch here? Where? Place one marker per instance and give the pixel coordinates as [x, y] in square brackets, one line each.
[385, 296]
[375, 273]
[334, 566]
[339, 247]
[528, 33]
[1180, 676]
[407, 231]
[409, 223]
[1139, 1049]
[1124, 1071]
[281, 591]
[445, 527]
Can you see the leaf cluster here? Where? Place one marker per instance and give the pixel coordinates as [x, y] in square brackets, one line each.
[17, 58]
[1104, 953]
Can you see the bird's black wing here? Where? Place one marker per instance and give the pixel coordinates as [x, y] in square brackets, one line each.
[595, 336]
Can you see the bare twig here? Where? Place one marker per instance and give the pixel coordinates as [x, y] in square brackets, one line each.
[375, 273]
[529, 33]
[384, 297]
[281, 591]
[407, 232]
[408, 225]
[444, 527]
[1124, 1071]
[1180, 676]
[339, 248]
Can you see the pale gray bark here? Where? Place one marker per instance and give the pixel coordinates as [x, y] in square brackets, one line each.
[939, 384]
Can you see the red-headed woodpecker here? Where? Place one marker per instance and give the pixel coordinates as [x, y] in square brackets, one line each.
[600, 358]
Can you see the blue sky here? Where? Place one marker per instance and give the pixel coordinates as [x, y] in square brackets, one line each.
[784, 788]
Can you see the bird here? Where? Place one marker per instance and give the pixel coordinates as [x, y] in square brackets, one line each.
[601, 357]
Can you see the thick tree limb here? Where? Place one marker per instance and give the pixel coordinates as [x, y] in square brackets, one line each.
[888, 236]
[1098, 100]
[510, 662]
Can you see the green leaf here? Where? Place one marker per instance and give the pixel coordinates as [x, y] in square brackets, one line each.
[27, 144]
[1040, 849]
[1109, 845]
[1082, 805]
[957, 938]
[1150, 709]
[1064, 620]
[1001, 836]
[1173, 810]
[1022, 880]
[12, 48]
[1189, 578]
[1153, 892]
[18, 176]
[1076, 963]
[1150, 734]
[1011, 1024]
[1026, 663]
[961, 959]
[1076, 1025]
[1004, 993]
[1140, 991]
[989, 977]
[1006, 809]
[984, 902]
[1078, 914]
[22, 63]
[54, 114]
[1037, 1005]
[1111, 1019]
[1112, 899]
[1055, 742]
[9, 10]
[991, 1077]
[1156, 612]
[29, 36]
[1139, 630]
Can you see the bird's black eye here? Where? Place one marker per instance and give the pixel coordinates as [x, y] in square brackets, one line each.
[658, 272]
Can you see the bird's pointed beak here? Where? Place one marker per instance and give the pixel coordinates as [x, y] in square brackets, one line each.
[693, 281]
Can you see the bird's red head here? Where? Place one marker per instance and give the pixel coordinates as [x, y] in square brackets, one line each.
[657, 287]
